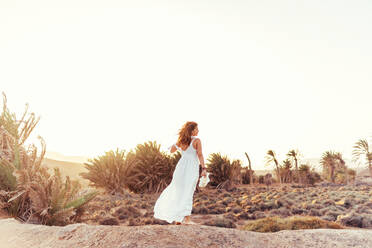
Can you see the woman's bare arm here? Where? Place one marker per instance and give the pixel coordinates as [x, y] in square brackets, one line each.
[173, 148]
[199, 152]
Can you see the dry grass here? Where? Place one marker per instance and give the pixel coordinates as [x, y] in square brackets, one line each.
[275, 224]
[246, 204]
[220, 221]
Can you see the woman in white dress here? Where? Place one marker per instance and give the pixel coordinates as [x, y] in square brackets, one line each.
[174, 204]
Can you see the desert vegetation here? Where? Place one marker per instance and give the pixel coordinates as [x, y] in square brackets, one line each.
[27, 190]
[224, 173]
[362, 153]
[143, 170]
[124, 185]
[275, 224]
[241, 207]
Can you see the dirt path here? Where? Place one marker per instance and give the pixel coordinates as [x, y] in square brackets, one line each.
[14, 234]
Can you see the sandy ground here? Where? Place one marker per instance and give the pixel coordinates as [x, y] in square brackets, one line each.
[14, 234]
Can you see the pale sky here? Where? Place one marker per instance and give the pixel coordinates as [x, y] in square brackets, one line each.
[255, 75]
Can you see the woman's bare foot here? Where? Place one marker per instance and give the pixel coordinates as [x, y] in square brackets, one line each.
[187, 221]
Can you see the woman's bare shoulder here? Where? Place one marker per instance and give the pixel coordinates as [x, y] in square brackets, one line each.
[196, 142]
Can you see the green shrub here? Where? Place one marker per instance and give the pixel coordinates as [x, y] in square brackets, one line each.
[149, 169]
[224, 173]
[107, 171]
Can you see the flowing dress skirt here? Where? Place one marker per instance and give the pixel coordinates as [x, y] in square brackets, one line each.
[175, 202]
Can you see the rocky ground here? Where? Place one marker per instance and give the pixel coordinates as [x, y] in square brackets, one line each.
[125, 220]
[14, 234]
[347, 205]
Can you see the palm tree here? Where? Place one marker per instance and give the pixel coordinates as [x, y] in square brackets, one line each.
[294, 155]
[340, 165]
[271, 157]
[362, 150]
[250, 169]
[285, 171]
[329, 164]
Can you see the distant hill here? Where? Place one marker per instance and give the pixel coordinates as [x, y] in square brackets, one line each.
[61, 157]
[67, 168]
[262, 172]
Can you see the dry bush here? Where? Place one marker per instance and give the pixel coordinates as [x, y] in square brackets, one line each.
[261, 179]
[108, 171]
[268, 179]
[150, 170]
[46, 198]
[345, 175]
[307, 175]
[111, 221]
[275, 224]
[246, 175]
[220, 221]
[13, 134]
[224, 173]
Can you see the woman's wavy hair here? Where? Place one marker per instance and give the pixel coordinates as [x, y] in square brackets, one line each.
[185, 132]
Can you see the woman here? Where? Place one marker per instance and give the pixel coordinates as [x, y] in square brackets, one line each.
[174, 204]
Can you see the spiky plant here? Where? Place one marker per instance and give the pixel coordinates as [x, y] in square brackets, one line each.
[30, 191]
[224, 173]
[271, 158]
[13, 134]
[43, 197]
[150, 170]
[363, 152]
[108, 171]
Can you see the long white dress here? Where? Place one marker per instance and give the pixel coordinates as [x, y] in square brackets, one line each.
[175, 202]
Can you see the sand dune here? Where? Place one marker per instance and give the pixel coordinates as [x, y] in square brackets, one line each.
[67, 168]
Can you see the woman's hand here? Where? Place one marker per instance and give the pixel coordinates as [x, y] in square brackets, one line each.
[204, 172]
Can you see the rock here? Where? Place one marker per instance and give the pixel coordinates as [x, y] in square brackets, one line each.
[343, 202]
[14, 234]
[355, 220]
